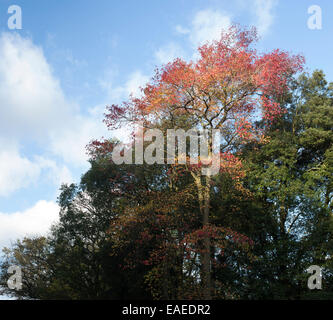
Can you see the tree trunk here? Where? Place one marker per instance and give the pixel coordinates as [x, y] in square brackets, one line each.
[206, 255]
[204, 203]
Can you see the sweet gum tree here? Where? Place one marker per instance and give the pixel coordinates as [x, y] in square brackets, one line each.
[228, 88]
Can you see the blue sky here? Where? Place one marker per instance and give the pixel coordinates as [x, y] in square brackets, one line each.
[73, 57]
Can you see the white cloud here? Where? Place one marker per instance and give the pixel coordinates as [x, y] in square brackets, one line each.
[56, 173]
[180, 29]
[263, 10]
[169, 52]
[132, 86]
[34, 109]
[31, 98]
[135, 81]
[33, 221]
[70, 143]
[206, 26]
[16, 172]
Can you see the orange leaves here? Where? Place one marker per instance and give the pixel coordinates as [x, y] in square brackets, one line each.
[229, 78]
[178, 74]
[232, 165]
[244, 128]
[276, 68]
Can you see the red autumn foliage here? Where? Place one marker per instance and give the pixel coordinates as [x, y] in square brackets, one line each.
[227, 85]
